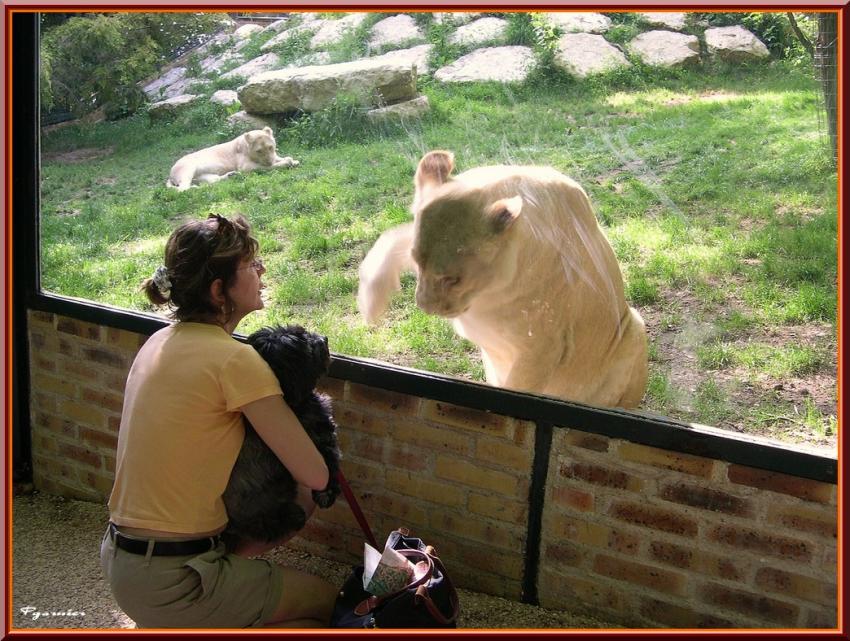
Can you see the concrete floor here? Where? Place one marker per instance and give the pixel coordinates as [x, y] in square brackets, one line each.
[57, 580]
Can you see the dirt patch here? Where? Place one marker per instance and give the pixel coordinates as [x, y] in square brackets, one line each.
[76, 156]
[708, 96]
[799, 408]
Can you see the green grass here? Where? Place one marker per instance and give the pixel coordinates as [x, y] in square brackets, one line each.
[712, 186]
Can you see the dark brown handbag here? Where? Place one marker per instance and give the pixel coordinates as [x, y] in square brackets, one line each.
[429, 601]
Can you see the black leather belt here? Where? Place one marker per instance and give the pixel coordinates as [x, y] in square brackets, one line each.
[163, 548]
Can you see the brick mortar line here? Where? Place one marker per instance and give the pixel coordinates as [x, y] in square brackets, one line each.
[704, 517]
[691, 598]
[680, 540]
[695, 578]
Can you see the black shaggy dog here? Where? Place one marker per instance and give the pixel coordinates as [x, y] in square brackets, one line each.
[260, 495]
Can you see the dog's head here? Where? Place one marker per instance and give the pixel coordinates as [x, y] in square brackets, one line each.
[297, 357]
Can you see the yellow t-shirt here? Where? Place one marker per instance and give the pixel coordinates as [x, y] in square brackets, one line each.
[181, 428]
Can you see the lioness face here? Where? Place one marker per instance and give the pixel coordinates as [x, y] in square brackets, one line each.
[261, 146]
[456, 248]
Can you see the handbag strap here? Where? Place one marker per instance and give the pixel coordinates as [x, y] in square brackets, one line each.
[454, 602]
[355, 509]
[421, 594]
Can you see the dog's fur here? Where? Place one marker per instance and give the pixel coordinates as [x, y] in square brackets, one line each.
[515, 257]
[260, 495]
[252, 150]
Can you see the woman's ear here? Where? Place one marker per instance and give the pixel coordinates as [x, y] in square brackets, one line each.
[217, 296]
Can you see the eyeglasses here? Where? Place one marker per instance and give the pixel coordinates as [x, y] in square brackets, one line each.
[256, 264]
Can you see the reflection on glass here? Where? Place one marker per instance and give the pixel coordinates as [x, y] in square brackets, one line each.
[711, 179]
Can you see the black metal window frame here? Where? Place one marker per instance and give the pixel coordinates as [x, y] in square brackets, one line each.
[546, 412]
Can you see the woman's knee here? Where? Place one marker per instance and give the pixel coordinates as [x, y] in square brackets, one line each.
[304, 596]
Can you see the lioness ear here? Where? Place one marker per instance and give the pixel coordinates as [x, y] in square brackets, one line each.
[503, 213]
[249, 137]
[268, 130]
[434, 168]
[433, 171]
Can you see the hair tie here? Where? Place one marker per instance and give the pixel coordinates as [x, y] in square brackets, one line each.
[161, 280]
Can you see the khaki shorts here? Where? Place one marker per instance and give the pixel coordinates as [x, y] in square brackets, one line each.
[209, 590]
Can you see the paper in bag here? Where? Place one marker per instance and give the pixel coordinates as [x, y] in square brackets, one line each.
[385, 573]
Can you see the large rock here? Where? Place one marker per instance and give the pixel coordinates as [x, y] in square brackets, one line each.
[217, 61]
[665, 48]
[157, 88]
[400, 111]
[246, 122]
[265, 62]
[394, 31]
[310, 27]
[418, 55]
[310, 59]
[277, 26]
[502, 64]
[246, 31]
[224, 97]
[455, 17]
[172, 106]
[734, 44]
[333, 31]
[375, 82]
[674, 20]
[586, 54]
[579, 21]
[485, 30]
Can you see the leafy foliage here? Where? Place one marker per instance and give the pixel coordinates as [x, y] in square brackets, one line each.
[343, 120]
[772, 28]
[97, 59]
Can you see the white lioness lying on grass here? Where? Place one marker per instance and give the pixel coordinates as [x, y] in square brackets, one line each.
[515, 257]
[252, 150]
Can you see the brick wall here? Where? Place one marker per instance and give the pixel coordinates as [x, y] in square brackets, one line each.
[682, 541]
[644, 536]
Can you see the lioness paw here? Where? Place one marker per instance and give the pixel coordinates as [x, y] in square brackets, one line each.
[288, 161]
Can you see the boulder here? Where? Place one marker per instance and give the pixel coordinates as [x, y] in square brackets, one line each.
[455, 17]
[176, 89]
[734, 44]
[674, 20]
[171, 106]
[418, 55]
[375, 82]
[265, 62]
[314, 58]
[502, 64]
[400, 111]
[586, 54]
[333, 31]
[484, 30]
[277, 26]
[246, 31]
[665, 48]
[224, 97]
[310, 27]
[244, 120]
[393, 31]
[579, 21]
[216, 62]
[157, 87]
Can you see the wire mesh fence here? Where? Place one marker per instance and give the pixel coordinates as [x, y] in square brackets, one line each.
[826, 67]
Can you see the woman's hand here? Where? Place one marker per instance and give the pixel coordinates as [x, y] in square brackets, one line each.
[281, 430]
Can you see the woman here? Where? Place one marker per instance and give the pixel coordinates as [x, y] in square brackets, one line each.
[181, 430]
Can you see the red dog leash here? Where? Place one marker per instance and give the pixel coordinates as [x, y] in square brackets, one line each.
[355, 509]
